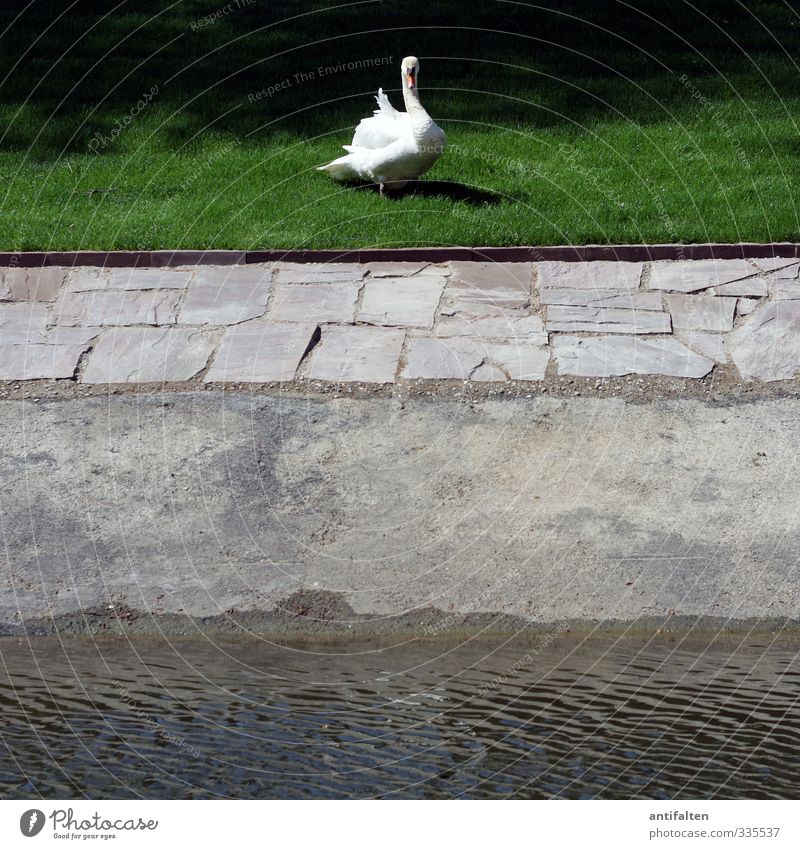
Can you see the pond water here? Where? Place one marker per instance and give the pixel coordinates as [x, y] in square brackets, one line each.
[534, 718]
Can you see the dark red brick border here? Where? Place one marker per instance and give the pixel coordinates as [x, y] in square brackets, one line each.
[565, 253]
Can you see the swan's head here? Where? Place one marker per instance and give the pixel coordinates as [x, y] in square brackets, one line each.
[410, 69]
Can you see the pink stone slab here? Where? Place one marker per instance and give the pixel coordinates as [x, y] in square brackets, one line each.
[598, 320]
[131, 355]
[323, 303]
[701, 312]
[38, 362]
[696, 275]
[31, 284]
[404, 302]
[590, 275]
[525, 328]
[260, 353]
[608, 298]
[319, 272]
[116, 308]
[23, 323]
[607, 356]
[394, 269]
[442, 359]
[128, 279]
[367, 354]
[221, 295]
[767, 346]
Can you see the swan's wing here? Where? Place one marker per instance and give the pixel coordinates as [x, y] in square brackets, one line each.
[385, 107]
[384, 127]
[379, 131]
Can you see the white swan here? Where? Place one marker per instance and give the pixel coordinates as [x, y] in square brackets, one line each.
[392, 147]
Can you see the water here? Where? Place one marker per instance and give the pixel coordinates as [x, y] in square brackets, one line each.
[554, 718]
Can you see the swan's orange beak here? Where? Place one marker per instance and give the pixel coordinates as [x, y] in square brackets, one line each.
[410, 78]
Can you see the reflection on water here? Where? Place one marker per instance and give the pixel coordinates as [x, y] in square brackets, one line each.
[197, 719]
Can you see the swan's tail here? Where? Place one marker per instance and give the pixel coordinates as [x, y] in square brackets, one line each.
[343, 168]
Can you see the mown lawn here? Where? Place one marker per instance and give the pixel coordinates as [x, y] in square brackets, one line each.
[568, 122]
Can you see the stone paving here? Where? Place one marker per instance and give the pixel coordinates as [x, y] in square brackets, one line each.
[383, 322]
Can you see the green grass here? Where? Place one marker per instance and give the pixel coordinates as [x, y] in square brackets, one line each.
[568, 122]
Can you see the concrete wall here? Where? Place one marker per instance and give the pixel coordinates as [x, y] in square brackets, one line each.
[324, 508]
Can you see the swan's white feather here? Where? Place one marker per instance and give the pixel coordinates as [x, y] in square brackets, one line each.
[385, 107]
[385, 126]
[390, 147]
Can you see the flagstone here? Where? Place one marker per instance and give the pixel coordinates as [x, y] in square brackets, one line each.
[695, 275]
[133, 279]
[744, 306]
[520, 362]
[403, 302]
[610, 298]
[775, 263]
[116, 308]
[713, 345]
[226, 295]
[597, 320]
[23, 322]
[608, 356]
[31, 284]
[442, 359]
[320, 302]
[590, 275]
[397, 269]
[319, 272]
[791, 272]
[132, 355]
[487, 288]
[261, 353]
[767, 346]
[473, 359]
[53, 354]
[492, 276]
[39, 361]
[701, 312]
[487, 373]
[465, 320]
[785, 290]
[515, 328]
[752, 287]
[348, 354]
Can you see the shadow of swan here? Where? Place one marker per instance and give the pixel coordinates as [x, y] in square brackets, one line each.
[459, 192]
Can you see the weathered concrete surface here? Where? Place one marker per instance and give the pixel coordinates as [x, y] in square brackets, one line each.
[547, 509]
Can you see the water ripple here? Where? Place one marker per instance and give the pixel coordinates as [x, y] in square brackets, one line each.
[251, 720]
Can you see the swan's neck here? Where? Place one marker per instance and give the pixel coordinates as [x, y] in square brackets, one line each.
[420, 120]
